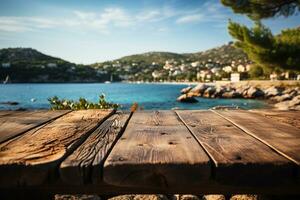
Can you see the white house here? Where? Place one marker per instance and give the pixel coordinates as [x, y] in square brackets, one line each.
[6, 65]
[241, 68]
[52, 65]
[227, 69]
[235, 77]
[195, 64]
[248, 67]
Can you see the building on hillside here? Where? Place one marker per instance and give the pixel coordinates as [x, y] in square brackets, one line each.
[6, 65]
[241, 68]
[227, 69]
[195, 64]
[235, 77]
[52, 65]
[248, 67]
[273, 76]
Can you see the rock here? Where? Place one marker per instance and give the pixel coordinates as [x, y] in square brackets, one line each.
[76, 197]
[186, 99]
[281, 98]
[295, 101]
[219, 91]
[199, 89]
[244, 197]
[189, 197]
[253, 92]
[282, 105]
[186, 90]
[150, 197]
[209, 92]
[213, 197]
[230, 95]
[122, 197]
[273, 91]
[289, 105]
[11, 103]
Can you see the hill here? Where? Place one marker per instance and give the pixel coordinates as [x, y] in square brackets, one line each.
[30, 65]
[25, 65]
[29, 55]
[223, 54]
[149, 57]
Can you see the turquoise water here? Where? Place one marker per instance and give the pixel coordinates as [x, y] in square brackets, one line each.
[148, 96]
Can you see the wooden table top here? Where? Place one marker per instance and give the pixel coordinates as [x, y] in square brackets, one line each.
[181, 151]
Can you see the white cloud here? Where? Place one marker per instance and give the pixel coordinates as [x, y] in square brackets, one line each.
[115, 17]
[190, 19]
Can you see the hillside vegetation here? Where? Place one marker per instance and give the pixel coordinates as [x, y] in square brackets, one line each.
[30, 65]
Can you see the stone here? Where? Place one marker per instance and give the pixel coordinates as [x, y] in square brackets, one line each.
[209, 92]
[185, 98]
[231, 94]
[186, 90]
[244, 197]
[150, 197]
[282, 105]
[189, 197]
[199, 89]
[122, 197]
[273, 91]
[214, 197]
[281, 98]
[254, 92]
[76, 197]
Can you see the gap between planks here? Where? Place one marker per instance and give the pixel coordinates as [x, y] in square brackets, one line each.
[258, 138]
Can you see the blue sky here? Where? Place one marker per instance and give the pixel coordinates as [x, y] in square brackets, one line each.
[89, 31]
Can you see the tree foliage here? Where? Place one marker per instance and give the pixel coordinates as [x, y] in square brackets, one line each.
[259, 9]
[267, 50]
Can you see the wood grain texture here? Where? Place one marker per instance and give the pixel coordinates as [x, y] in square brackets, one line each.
[291, 117]
[15, 123]
[156, 150]
[281, 137]
[86, 162]
[238, 157]
[33, 157]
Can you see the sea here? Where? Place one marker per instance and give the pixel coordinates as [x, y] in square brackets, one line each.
[148, 96]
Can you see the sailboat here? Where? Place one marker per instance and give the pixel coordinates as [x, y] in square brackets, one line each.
[111, 80]
[7, 80]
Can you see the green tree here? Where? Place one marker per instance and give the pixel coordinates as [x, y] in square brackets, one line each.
[265, 49]
[261, 46]
[259, 9]
[256, 71]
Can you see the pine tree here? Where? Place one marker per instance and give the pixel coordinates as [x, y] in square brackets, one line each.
[259, 9]
[281, 51]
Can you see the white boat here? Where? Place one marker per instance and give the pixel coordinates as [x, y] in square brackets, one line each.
[107, 82]
[7, 80]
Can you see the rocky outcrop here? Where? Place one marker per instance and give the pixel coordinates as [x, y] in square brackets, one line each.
[285, 98]
[186, 90]
[185, 98]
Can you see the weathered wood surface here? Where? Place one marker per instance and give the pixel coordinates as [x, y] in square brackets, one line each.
[291, 117]
[238, 157]
[14, 123]
[281, 137]
[33, 158]
[86, 162]
[156, 150]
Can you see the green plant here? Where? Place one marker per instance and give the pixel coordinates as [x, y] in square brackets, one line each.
[82, 104]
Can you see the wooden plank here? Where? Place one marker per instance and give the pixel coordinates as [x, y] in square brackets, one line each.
[282, 138]
[156, 150]
[291, 117]
[238, 157]
[86, 162]
[18, 122]
[32, 158]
